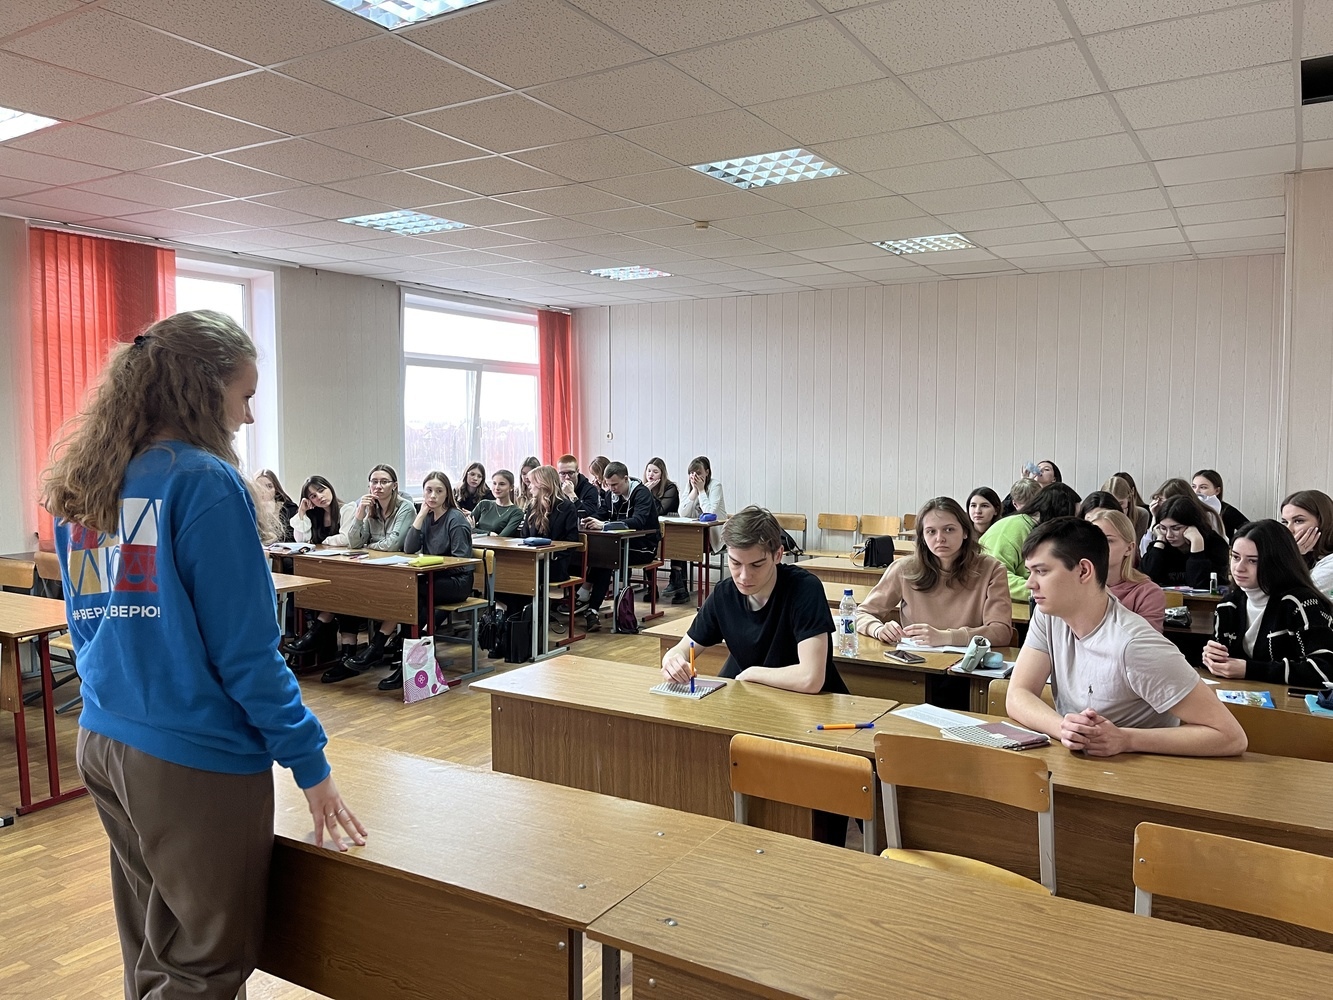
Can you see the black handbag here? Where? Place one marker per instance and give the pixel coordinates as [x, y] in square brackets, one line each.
[879, 550]
[517, 629]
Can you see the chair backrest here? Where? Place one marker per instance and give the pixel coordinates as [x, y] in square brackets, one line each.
[958, 768]
[1242, 875]
[48, 566]
[999, 690]
[837, 522]
[16, 573]
[879, 524]
[909, 522]
[484, 573]
[809, 777]
[790, 522]
[1285, 734]
[1174, 598]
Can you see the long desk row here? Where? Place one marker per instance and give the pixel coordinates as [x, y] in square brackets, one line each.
[487, 882]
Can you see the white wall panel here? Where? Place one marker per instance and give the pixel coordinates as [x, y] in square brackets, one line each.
[872, 399]
[1309, 446]
[18, 490]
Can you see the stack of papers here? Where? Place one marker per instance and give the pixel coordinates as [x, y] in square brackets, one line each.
[935, 717]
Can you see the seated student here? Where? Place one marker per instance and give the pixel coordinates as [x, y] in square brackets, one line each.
[945, 594]
[704, 497]
[322, 520]
[277, 508]
[472, 490]
[1184, 551]
[383, 515]
[773, 617]
[438, 529]
[983, 509]
[1097, 500]
[634, 505]
[1130, 587]
[500, 515]
[1207, 485]
[1274, 625]
[524, 494]
[1004, 540]
[1047, 473]
[1308, 514]
[1177, 487]
[667, 495]
[548, 515]
[1122, 488]
[578, 488]
[1020, 495]
[1120, 686]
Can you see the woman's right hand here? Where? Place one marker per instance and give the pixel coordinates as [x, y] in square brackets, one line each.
[889, 632]
[303, 506]
[1307, 536]
[1159, 533]
[363, 507]
[329, 812]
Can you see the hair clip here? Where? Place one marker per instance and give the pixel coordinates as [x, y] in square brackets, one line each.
[140, 340]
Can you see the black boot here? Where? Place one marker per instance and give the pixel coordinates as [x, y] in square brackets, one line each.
[309, 638]
[340, 671]
[681, 596]
[372, 654]
[394, 682]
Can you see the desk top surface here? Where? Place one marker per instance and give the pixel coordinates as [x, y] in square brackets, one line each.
[536, 847]
[624, 689]
[499, 544]
[22, 615]
[1253, 788]
[285, 583]
[690, 522]
[371, 558]
[834, 564]
[803, 919]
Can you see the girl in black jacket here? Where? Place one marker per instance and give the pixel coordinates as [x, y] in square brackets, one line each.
[1184, 550]
[1273, 626]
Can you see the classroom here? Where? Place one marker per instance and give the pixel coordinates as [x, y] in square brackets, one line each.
[843, 259]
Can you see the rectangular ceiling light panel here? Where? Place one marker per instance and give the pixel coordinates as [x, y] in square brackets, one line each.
[631, 273]
[404, 223]
[16, 123]
[767, 169]
[397, 13]
[926, 244]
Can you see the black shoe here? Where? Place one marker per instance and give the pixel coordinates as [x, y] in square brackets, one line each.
[394, 682]
[681, 597]
[591, 621]
[307, 639]
[372, 654]
[338, 672]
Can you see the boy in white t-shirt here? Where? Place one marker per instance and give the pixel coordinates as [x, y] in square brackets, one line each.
[1120, 685]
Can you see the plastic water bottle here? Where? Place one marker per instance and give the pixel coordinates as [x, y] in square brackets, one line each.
[1213, 588]
[847, 642]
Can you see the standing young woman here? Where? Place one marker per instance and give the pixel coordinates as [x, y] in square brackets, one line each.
[1184, 550]
[1208, 483]
[1308, 514]
[704, 497]
[186, 702]
[275, 507]
[1131, 588]
[499, 515]
[383, 515]
[472, 490]
[983, 509]
[1274, 625]
[948, 592]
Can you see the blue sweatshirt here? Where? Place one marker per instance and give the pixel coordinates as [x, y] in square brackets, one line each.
[175, 627]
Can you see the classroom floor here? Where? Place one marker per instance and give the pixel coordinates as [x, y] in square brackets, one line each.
[56, 921]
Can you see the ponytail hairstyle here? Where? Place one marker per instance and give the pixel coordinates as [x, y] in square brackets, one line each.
[171, 380]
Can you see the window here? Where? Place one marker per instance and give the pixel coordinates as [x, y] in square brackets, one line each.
[246, 295]
[470, 387]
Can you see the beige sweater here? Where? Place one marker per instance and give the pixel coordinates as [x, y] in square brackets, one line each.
[984, 608]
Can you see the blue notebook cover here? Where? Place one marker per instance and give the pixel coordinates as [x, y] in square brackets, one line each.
[1259, 699]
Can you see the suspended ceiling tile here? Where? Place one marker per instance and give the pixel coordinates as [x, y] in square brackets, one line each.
[1118, 241]
[1316, 29]
[925, 144]
[397, 143]
[593, 158]
[897, 229]
[823, 191]
[708, 138]
[20, 16]
[1218, 166]
[550, 229]
[1068, 157]
[93, 146]
[1192, 46]
[387, 72]
[225, 178]
[1018, 234]
[1259, 89]
[635, 219]
[1063, 261]
[962, 172]
[1061, 121]
[169, 224]
[1232, 189]
[1254, 208]
[655, 187]
[487, 212]
[1145, 255]
[231, 26]
[1101, 225]
[1107, 15]
[180, 125]
[873, 210]
[42, 89]
[1242, 246]
[506, 123]
[1086, 183]
[486, 39]
[1004, 83]
[686, 24]
[883, 105]
[1263, 128]
[627, 97]
[280, 103]
[1235, 228]
[567, 200]
[969, 199]
[771, 223]
[726, 205]
[996, 218]
[323, 203]
[1107, 204]
[88, 202]
[1016, 251]
[913, 35]
[248, 213]
[401, 190]
[305, 161]
[491, 175]
[785, 62]
[11, 187]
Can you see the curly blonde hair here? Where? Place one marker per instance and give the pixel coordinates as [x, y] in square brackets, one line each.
[172, 379]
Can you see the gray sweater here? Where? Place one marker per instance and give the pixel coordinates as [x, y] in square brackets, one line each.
[386, 535]
[450, 535]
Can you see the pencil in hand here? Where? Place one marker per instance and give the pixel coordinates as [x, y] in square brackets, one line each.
[692, 672]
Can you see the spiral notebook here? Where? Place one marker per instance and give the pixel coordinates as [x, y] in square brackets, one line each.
[1000, 735]
[702, 688]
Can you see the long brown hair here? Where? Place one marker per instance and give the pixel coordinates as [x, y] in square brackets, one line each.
[543, 498]
[279, 494]
[1318, 503]
[924, 570]
[450, 503]
[662, 483]
[1177, 487]
[465, 492]
[172, 379]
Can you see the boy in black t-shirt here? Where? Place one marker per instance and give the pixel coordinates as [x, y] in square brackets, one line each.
[773, 617]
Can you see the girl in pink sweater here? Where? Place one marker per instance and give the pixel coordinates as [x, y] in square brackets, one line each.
[1130, 587]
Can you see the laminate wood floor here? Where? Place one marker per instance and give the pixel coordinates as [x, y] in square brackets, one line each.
[57, 930]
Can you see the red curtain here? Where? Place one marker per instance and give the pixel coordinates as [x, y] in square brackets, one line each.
[88, 294]
[557, 384]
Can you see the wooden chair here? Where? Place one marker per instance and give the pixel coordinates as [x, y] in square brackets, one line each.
[909, 525]
[835, 522]
[999, 690]
[17, 574]
[879, 524]
[1267, 881]
[808, 777]
[48, 575]
[1285, 734]
[1174, 598]
[964, 769]
[570, 588]
[793, 523]
[482, 581]
[650, 569]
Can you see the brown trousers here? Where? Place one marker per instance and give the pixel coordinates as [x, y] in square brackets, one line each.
[190, 855]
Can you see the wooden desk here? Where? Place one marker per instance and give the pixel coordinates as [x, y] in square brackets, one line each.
[286, 584]
[843, 572]
[22, 616]
[692, 541]
[366, 589]
[526, 569]
[833, 592]
[754, 914]
[595, 724]
[610, 550]
[471, 883]
[1099, 801]
[709, 660]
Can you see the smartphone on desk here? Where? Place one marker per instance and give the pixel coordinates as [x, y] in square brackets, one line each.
[903, 656]
[1300, 692]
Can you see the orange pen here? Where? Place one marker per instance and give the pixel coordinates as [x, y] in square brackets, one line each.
[692, 674]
